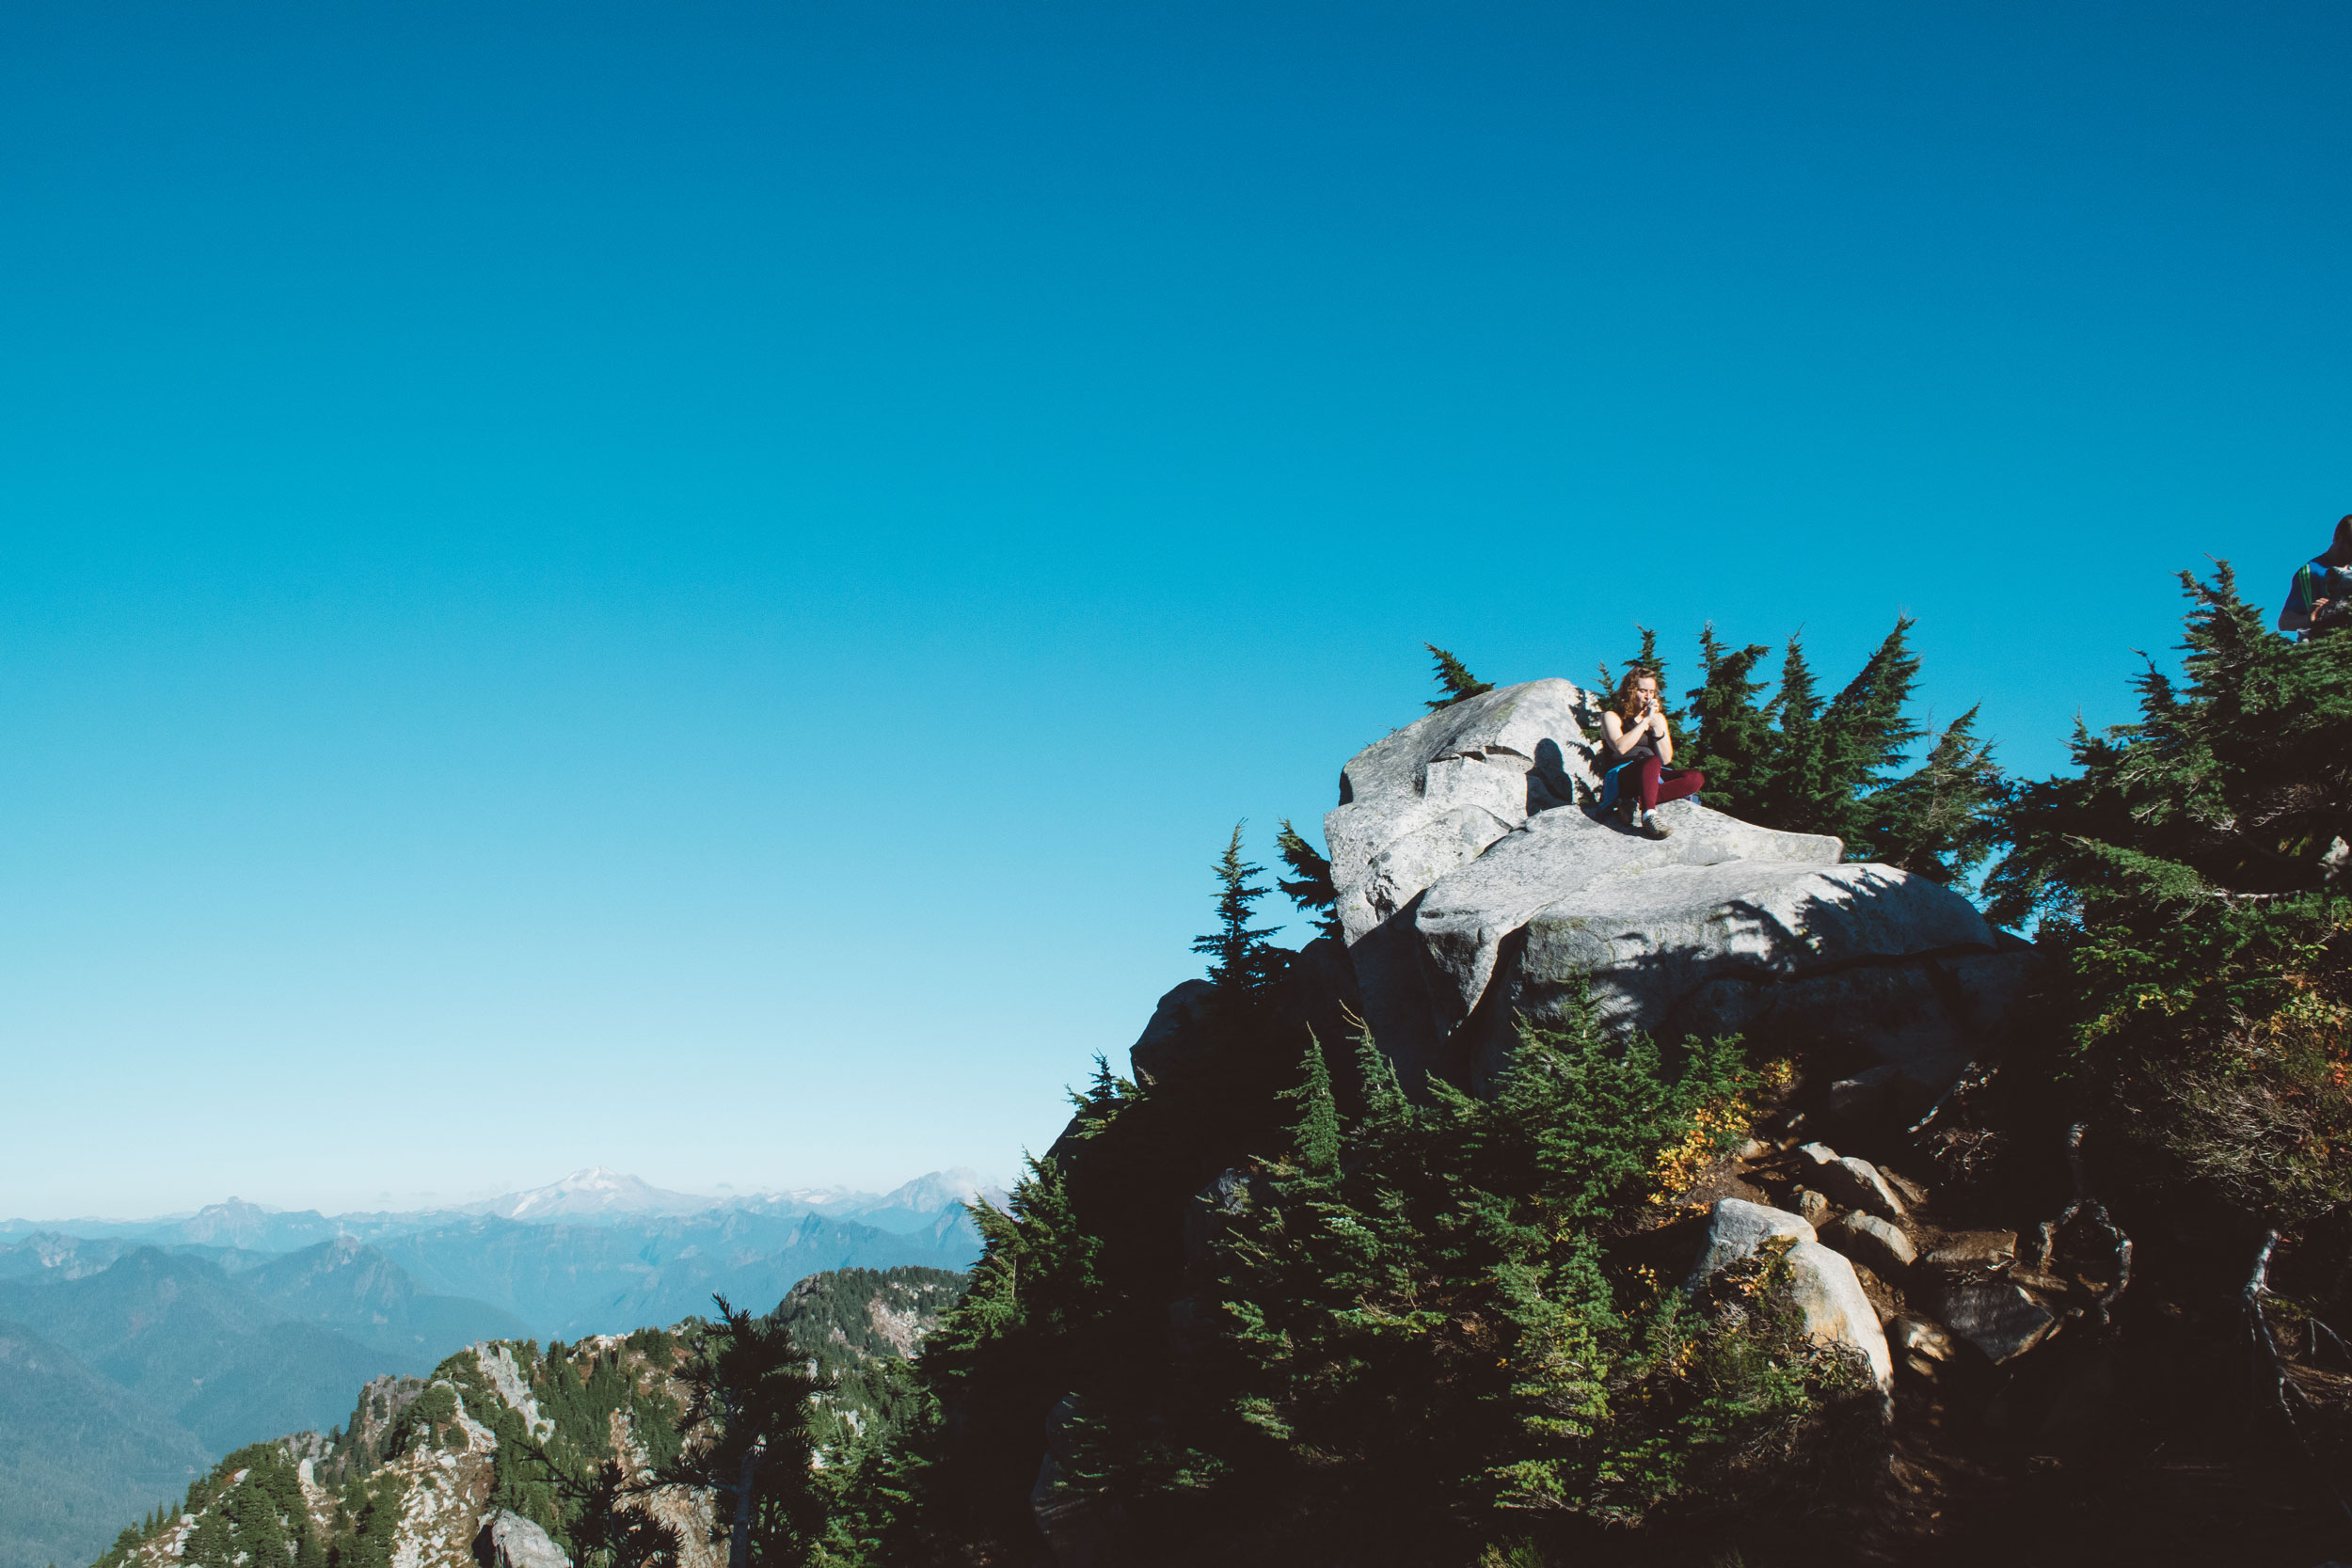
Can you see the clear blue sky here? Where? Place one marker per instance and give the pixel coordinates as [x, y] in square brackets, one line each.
[694, 587]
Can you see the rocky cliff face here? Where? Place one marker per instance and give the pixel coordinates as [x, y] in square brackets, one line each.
[415, 1483]
[1476, 886]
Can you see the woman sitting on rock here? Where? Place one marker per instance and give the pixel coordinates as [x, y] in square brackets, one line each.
[1639, 747]
[2320, 598]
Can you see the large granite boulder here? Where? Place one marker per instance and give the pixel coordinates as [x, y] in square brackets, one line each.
[508, 1540]
[1822, 1283]
[1474, 887]
[1736, 1229]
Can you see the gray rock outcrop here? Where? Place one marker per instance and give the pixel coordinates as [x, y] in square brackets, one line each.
[1855, 1183]
[1974, 1250]
[1872, 1243]
[1820, 1282]
[1997, 1316]
[1836, 1312]
[1472, 886]
[508, 1540]
[1736, 1229]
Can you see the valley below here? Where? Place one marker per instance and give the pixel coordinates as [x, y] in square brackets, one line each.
[135, 1355]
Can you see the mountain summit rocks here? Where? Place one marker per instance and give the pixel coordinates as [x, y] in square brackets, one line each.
[1474, 887]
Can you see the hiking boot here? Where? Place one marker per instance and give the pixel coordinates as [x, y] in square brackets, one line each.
[1653, 827]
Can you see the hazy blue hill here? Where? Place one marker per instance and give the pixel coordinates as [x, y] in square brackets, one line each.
[79, 1457]
[353, 1288]
[295, 1377]
[53, 1255]
[278, 1348]
[251, 1227]
[153, 1324]
[621, 1274]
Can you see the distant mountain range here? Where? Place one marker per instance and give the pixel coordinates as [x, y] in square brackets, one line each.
[591, 1197]
[135, 1353]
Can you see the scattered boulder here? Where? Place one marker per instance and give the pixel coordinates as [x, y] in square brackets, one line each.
[1909, 1191]
[1853, 1183]
[1836, 1311]
[1822, 1283]
[1977, 1250]
[1735, 1228]
[1920, 1347]
[1921, 1338]
[508, 1540]
[1997, 1316]
[1870, 1240]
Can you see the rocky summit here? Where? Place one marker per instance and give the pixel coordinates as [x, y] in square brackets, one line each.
[1479, 881]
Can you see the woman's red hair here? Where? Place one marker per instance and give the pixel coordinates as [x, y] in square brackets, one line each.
[1629, 700]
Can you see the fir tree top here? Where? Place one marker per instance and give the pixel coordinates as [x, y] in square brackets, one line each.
[1455, 677]
[1241, 959]
[1310, 882]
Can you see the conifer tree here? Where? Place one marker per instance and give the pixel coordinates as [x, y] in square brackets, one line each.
[2196, 909]
[1942, 821]
[1790, 794]
[1454, 678]
[1241, 960]
[1315, 1136]
[613, 1529]
[749, 1415]
[1310, 882]
[1731, 736]
[1864, 734]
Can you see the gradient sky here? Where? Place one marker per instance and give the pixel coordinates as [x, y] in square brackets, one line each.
[695, 586]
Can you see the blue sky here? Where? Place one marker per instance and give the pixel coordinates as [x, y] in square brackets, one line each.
[694, 587]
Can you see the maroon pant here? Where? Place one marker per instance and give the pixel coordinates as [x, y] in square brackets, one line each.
[1658, 782]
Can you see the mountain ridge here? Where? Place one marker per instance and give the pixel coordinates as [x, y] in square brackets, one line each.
[592, 1194]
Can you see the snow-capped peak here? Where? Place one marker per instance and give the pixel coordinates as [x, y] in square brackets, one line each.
[595, 1192]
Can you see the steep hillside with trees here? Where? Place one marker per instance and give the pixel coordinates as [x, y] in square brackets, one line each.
[612, 1450]
[1269, 1306]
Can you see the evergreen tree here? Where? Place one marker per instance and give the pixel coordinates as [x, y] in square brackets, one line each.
[1316, 1134]
[1310, 882]
[1427, 1349]
[1942, 821]
[1731, 736]
[1791, 794]
[749, 1424]
[1864, 735]
[1242, 962]
[209, 1544]
[2192, 887]
[1454, 679]
[614, 1531]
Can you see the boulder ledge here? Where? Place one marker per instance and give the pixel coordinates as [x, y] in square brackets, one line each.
[1474, 886]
